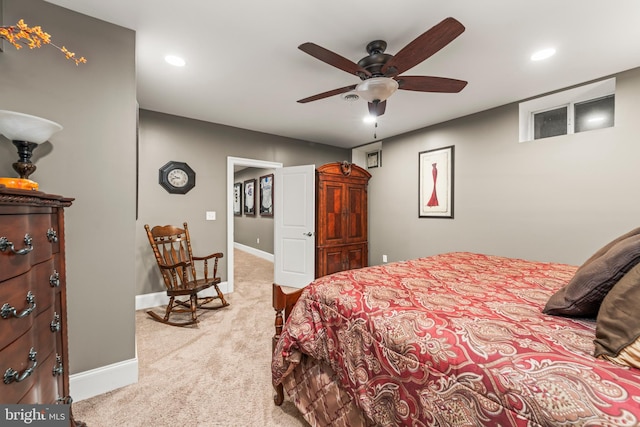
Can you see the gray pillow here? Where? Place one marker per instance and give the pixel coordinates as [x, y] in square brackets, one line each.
[582, 296]
[618, 322]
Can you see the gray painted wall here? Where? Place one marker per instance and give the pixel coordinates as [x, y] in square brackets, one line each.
[557, 199]
[91, 159]
[204, 147]
[249, 229]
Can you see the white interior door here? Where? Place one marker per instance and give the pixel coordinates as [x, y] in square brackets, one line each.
[294, 226]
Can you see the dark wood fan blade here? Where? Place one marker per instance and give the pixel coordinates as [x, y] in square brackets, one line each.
[327, 94]
[430, 84]
[333, 59]
[427, 44]
[377, 108]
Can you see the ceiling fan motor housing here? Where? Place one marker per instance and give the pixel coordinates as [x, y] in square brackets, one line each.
[375, 60]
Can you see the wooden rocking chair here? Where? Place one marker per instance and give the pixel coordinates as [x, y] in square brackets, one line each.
[172, 248]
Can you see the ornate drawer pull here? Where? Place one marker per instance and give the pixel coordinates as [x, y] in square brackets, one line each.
[12, 375]
[7, 310]
[67, 400]
[58, 369]
[54, 279]
[52, 235]
[6, 244]
[55, 323]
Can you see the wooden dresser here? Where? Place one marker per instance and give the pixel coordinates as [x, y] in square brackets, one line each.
[33, 330]
[341, 218]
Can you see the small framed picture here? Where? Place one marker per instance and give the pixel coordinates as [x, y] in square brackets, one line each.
[435, 183]
[374, 159]
[266, 195]
[237, 199]
[250, 197]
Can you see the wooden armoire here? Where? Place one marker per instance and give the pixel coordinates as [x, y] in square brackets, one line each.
[341, 218]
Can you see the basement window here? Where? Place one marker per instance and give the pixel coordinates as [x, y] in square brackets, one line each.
[580, 109]
[550, 123]
[594, 114]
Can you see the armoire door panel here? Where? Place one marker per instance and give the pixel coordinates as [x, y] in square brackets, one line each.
[357, 220]
[356, 255]
[330, 261]
[334, 228]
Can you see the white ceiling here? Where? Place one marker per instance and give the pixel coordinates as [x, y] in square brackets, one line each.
[244, 69]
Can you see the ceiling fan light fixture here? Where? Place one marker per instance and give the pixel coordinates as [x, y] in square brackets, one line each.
[377, 88]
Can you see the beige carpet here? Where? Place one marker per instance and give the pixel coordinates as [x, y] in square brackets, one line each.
[214, 374]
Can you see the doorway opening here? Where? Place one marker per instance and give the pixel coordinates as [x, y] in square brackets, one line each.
[232, 163]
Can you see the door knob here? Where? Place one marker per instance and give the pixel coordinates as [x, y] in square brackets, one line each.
[309, 234]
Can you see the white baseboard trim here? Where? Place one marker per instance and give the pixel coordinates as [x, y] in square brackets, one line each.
[254, 251]
[97, 381]
[157, 299]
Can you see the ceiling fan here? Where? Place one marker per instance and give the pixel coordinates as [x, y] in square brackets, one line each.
[380, 72]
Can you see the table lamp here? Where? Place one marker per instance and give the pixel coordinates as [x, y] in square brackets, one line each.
[25, 132]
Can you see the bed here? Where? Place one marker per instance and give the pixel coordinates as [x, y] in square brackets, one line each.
[456, 339]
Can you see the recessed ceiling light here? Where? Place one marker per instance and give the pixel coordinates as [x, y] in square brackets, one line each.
[543, 54]
[175, 60]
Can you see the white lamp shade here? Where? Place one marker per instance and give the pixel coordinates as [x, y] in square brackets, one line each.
[23, 127]
[377, 88]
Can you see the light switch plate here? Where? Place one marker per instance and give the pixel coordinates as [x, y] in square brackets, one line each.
[211, 215]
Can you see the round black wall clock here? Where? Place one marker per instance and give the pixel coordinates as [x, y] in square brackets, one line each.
[177, 177]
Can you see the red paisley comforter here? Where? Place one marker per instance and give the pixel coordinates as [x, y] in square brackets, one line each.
[458, 339]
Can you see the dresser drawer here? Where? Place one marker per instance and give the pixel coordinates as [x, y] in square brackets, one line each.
[48, 376]
[25, 240]
[37, 285]
[19, 358]
[50, 380]
[31, 396]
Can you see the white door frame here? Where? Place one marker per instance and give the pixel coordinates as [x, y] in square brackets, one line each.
[232, 162]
